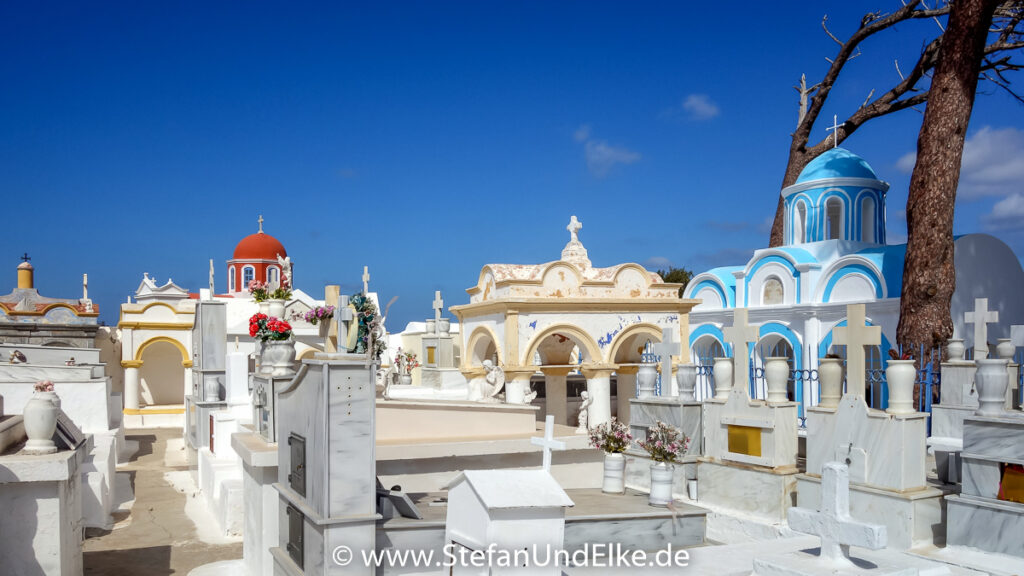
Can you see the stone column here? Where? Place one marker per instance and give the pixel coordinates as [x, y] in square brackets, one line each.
[554, 386]
[517, 384]
[625, 389]
[131, 383]
[599, 377]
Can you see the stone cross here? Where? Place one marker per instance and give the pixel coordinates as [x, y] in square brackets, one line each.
[574, 229]
[332, 293]
[85, 286]
[261, 223]
[212, 292]
[981, 317]
[838, 531]
[438, 307]
[739, 335]
[366, 280]
[343, 316]
[666, 348]
[855, 336]
[834, 129]
[548, 441]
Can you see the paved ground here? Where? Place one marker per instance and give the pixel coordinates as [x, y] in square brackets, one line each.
[156, 538]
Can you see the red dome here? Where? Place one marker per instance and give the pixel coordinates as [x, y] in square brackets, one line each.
[259, 246]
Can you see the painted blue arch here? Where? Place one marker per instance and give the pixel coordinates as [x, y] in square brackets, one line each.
[821, 213]
[785, 332]
[726, 301]
[851, 269]
[709, 330]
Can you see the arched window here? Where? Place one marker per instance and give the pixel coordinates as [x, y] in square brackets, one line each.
[867, 220]
[231, 279]
[248, 275]
[773, 292]
[833, 219]
[273, 275]
[800, 225]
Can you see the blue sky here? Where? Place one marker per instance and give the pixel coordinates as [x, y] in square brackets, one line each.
[427, 139]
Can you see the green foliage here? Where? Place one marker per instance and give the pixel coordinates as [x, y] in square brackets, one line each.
[677, 276]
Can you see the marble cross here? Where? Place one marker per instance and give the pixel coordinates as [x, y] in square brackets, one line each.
[332, 293]
[738, 336]
[548, 442]
[855, 336]
[834, 129]
[343, 316]
[981, 317]
[838, 531]
[366, 280]
[666, 348]
[260, 220]
[574, 229]
[85, 286]
[438, 306]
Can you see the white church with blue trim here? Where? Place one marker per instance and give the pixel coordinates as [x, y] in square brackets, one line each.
[835, 254]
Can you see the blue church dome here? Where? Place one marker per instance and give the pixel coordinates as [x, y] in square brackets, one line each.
[836, 163]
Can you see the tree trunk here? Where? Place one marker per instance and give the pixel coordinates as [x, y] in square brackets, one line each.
[799, 158]
[928, 275]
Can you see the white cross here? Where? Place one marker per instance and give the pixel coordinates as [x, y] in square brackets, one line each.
[261, 223]
[548, 441]
[366, 280]
[981, 317]
[838, 531]
[438, 306]
[343, 315]
[739, 335]
[855, 336]
[574, 228]
[834, 128]
[666, 348]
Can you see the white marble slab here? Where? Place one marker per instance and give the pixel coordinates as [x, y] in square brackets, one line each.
[759, 493]
[985, 524]
[778, 423]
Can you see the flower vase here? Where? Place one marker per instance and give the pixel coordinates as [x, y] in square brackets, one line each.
[614, 473]
[992, 379]
[325, 327]
[955, 349]
[278, 358]
[431, 326]
[722, 372]
[661, 484]
[776, 373]
[900, 376]
[405, 379]
[830, 377]
[40, 419]
[686, 377]
[276, 308]
[1005, 349]
[444, 326]
[647, 379]
[51, 396]
[263, 307]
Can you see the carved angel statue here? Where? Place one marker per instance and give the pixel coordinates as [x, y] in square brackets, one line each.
[286, 268]
[388, 378]
[494, 381]
[584, 416]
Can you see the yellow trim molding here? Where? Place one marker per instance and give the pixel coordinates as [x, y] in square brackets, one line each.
[131, 363]
[147, 412]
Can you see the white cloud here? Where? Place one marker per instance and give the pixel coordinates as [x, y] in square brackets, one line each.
[658, 263]
[582, 133]
[700, 107]
[991, 165]
[1006, 215]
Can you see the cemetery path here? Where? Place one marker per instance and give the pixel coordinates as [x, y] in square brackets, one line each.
[158, 538]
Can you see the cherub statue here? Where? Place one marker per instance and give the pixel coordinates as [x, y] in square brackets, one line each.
[584, 415]
[495, 381]
[286, 268]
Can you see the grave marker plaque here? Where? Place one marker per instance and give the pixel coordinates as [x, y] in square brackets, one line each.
[295, 539]
[297, 476]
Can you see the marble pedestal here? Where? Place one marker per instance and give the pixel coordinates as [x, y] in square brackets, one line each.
[760, 493]
[685, 416]
[911, 518]
[977, 518]
[41, 499]
[259, 472]
[442, 378]
[404, 420]
[197, 420]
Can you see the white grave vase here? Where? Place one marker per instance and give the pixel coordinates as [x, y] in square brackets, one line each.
[723, 377]
[992, 378]
[661, 484]
[686, 378]
[325, 327]
[830, 377]
[900, 376]
[40, 417]
[1005, 349]
[278, 358]
[263, 307]
[647, 379]
[51, 396]
[276, 308]
[431, 326]
[776, 372]
[405, 379]
[955, 349]
[444, 326]
[614, 473]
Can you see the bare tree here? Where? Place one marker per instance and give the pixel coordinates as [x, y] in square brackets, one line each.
[1005, 39]
[928, 275]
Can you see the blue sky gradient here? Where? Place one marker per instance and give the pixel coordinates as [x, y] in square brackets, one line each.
[428, 139]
